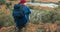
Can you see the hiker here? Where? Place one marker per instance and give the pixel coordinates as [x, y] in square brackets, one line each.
[21, 20]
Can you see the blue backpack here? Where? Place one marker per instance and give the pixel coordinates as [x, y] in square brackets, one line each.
[18, 11]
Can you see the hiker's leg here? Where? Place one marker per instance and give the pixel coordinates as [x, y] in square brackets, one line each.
[26, 28]
[20, 28]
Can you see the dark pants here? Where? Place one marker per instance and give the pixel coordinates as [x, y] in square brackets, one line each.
[20, 23]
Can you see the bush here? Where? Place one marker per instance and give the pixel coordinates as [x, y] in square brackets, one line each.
[1, 24]
[44, 16]
[50, 16]
[2, 2]
[6, 20]
[8, 4]
[58, 4]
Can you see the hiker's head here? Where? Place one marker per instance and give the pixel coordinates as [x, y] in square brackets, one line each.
[22, 2]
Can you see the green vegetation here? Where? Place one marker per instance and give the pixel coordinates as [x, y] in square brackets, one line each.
[44, 16]
[2, 2]
[5, 20]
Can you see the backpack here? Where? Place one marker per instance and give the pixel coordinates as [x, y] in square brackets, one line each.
[18, 11]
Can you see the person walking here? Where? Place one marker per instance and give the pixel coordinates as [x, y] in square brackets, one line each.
[21, 21]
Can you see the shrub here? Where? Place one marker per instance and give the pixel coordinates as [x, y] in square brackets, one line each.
[50, 16]
[8, 4]
[2, 2]
[1, 24]
[44, 16]
[6, 20]
[58, 4]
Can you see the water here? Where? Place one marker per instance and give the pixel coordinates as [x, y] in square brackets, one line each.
[52, 5]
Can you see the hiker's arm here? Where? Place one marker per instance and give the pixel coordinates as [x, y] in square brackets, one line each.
[29, 12]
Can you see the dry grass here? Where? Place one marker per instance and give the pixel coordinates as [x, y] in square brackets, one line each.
[4, 9]
[47, 27]
[5, 29]
[32, 27]
[42, 8]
